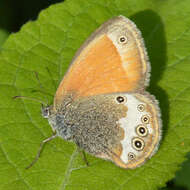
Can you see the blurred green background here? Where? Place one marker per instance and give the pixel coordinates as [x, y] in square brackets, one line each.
[15, 13]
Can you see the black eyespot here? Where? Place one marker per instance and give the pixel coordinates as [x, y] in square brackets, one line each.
[120, 99]
[122, 39]
[131, 156]
[145, 119]
[141, 107]
[141, 130]
[138, 144]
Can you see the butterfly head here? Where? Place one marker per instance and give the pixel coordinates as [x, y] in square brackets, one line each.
[57, 121]
[46, 111]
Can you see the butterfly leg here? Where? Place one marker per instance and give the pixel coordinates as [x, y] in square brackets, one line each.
[40, 150]
[83, 155]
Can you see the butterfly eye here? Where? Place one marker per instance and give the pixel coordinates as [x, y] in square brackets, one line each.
[145, 119]
[141, 107]
[122, 39]
[120, 99]
[45, 112]
[131, 156]
[142, 130]
[138, 144]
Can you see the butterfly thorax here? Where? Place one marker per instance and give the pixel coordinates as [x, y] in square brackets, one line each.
[90, 122]
[57, 122]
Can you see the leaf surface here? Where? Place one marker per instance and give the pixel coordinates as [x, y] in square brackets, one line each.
[50, 42]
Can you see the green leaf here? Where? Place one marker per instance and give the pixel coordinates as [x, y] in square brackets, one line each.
[50, 42]
[182, 176]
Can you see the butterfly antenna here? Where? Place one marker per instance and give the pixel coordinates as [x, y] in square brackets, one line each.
[50, 74]
[37, 77]
[30, 98]
[42, 92]
[41, 86]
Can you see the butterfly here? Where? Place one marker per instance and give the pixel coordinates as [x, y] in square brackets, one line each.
[101, 104]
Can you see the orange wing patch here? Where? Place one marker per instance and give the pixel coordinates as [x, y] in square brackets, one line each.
[99, 70]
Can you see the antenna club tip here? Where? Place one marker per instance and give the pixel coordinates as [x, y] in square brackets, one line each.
[14, 97]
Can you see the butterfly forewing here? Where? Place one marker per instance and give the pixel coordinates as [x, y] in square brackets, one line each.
[112, 60]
